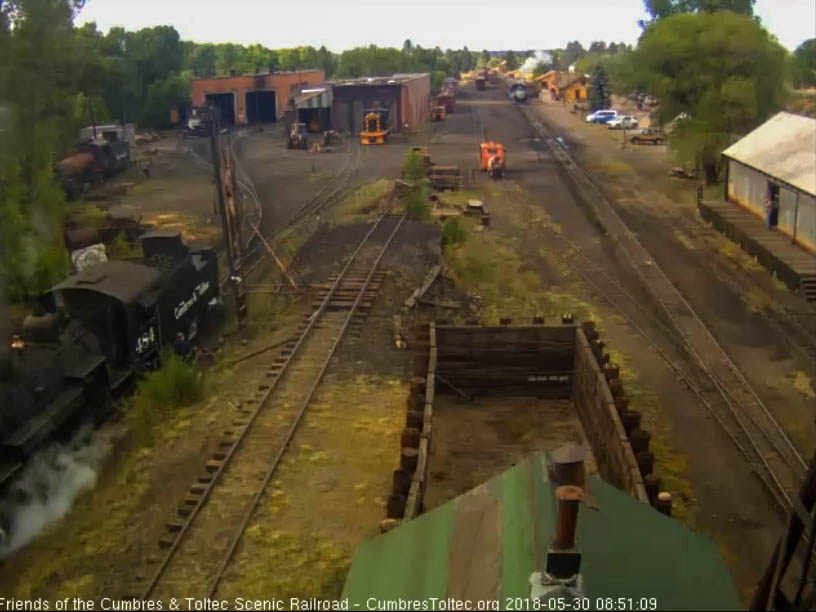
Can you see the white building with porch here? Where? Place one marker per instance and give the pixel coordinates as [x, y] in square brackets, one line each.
[773, 170]
[777, 161]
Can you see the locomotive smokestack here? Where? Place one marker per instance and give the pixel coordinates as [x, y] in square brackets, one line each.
[569, 497]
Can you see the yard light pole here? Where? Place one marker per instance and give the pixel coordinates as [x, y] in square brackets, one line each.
[231, 235]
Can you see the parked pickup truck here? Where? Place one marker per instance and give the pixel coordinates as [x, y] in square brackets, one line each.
[622, 122]
[648, 135]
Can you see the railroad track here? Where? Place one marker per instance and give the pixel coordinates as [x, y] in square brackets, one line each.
[478, 125]
[328, 194]
[331, 192]
[698, 380]
[201, 542]
[727, 394]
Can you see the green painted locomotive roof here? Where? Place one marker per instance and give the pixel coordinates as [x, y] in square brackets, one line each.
[486, 544]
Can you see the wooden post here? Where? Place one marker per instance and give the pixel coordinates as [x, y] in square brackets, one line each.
[795, 218]
[664, 503]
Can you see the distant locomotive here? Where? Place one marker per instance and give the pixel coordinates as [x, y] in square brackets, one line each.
[91, 162]
[517, 91]
[99, 328]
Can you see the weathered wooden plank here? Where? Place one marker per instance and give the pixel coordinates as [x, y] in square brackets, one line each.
[413, 501]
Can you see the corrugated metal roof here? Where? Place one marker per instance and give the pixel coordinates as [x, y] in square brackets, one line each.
[487, 544]
[783, 147]
[314, 98]
[395, 79]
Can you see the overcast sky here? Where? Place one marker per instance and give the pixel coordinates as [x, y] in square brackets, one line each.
[479, 24]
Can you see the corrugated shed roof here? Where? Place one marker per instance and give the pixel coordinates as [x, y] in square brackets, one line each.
[395, 79]
[314, 98]
[486, 544]
[783, 147]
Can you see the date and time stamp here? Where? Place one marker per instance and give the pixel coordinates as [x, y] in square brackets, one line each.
[240, 604]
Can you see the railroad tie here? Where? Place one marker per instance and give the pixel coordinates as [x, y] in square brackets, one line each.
[197, 488]
[184, 511]
[191, 501]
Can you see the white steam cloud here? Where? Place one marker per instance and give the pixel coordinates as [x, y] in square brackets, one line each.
[48, 486]
[534, 60]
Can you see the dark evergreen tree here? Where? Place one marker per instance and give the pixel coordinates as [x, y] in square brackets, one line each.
[599, 90]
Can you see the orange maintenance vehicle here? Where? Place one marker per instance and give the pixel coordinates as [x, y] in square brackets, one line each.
[492, 159]
[375, 126]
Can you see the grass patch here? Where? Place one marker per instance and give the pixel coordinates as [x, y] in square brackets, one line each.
[670, 465]
[363, 201]
[453, 232]
[174, 385]
[758, 301]
[120, 248]
[802, 383]
[613, 167]
[345, 450]
[735, 253]
[488, 265]
[459, 197]
[86, 215]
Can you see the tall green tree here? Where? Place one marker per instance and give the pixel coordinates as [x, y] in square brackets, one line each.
[804, 64]
[571, 54]
[660, 9]
[39, 73]
[599, 89]
[510, 60]
[721, 69]
[202, 60]
[541, 68]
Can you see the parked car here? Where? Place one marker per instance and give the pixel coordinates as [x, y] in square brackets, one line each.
[622, 122]
[602, 116]
[648, 135]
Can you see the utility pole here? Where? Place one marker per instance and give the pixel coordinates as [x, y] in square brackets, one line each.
[226, 192]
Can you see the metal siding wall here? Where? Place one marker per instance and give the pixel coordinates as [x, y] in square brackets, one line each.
[416, 100]
[787, 210]
[747, 187]
[806, 222]
[358, 107]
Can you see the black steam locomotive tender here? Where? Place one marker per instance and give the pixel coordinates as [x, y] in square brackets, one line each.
[100, 327]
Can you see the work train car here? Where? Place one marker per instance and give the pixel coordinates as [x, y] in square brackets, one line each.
[100, 328]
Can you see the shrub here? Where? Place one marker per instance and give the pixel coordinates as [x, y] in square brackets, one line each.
[416, 204]
[453, 231]
[174, 385]
[413, 167]
[120, 248]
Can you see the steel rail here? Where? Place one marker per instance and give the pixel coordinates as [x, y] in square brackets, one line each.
[788, 453]
[156, 577]
[720, 387]
[305, 404]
